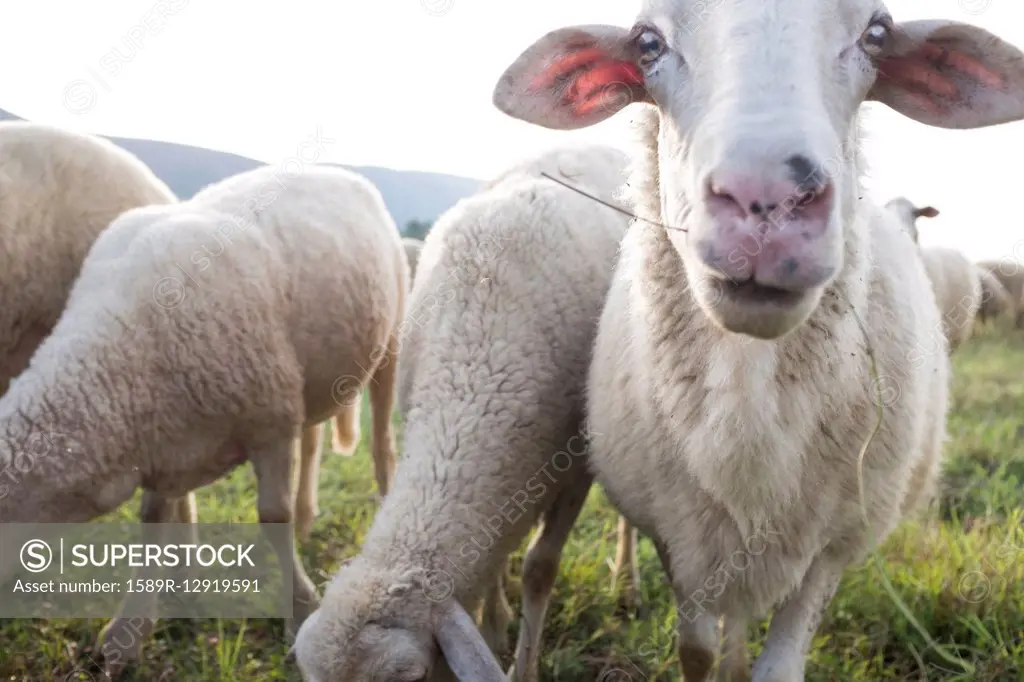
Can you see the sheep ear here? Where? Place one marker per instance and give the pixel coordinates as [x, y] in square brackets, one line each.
[951, 75]
[926, 212]
[464, 648]
[572, 78]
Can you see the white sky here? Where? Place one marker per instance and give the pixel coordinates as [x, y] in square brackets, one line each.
[407, 84]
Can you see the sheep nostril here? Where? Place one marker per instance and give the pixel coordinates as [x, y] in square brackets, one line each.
[720, 201]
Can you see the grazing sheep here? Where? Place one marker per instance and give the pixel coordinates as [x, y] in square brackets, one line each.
[412, 253]
[995, 299]
[954, 278]
[730, 387]
[1010, 274]
[58, 190]
[203, 335]
[501, 322]
[957, 286]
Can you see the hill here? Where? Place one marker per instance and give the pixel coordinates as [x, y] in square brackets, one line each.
[409, 195]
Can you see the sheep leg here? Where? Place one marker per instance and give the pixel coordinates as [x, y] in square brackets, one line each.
[733, 665]
[540, 568]
[273, 467]
[698, 642]
[306, 507]
[382, 401]
[697, 628]
[186, 511]
[497, 614]
[794, 624]
[121, 639]
[346, 428]
[626, 575]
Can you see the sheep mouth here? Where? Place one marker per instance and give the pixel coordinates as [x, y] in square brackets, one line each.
[752, 293]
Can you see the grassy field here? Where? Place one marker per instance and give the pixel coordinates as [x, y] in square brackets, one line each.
[961, 575]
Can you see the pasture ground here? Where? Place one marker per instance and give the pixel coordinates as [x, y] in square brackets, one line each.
[961, 574]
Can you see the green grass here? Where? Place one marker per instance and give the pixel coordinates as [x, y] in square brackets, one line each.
[961, 575]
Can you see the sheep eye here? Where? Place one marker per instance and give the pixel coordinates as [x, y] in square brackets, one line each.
[650, 46]
[875, 39]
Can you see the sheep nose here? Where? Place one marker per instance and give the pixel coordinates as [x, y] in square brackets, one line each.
[797, 186]
[768, 222]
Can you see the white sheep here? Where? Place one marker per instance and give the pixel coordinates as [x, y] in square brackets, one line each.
[730, 388]
[203, 335]
[1010, 274]
[626, 570]
[58, 190]
[499, 329]
[346, 424]
[995, 299]
[955, 280]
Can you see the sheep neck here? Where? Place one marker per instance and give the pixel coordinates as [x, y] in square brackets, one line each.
[432, 520]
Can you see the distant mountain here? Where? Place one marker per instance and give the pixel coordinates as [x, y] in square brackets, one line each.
[409, 195]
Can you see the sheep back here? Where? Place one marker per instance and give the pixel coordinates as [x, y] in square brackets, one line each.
[58, 190]
[200, 330]
[957, 290]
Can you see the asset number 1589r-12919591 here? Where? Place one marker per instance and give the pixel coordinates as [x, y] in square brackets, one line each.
[193, 585]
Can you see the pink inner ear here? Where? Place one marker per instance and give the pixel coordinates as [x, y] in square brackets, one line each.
[564, 65]
[929, 71]
[963, 62]
[596, 81]
[609, 85]
[914, 73]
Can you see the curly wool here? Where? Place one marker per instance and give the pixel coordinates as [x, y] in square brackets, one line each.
[495, 348]
[200, 332]
[58, 190]
[713, 443]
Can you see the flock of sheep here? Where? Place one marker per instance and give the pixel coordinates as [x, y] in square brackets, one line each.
[966, 292]
[711, 356]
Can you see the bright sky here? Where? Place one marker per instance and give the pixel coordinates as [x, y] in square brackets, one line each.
[407, 84]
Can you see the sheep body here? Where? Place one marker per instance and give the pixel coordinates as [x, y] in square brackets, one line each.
[1011, 275]
[500, 324]
[737, 456]
[734, 372]
[58, 190]
[958, 291]
[954, 279]
[995, 299]
[205, 334]
[346, 425]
